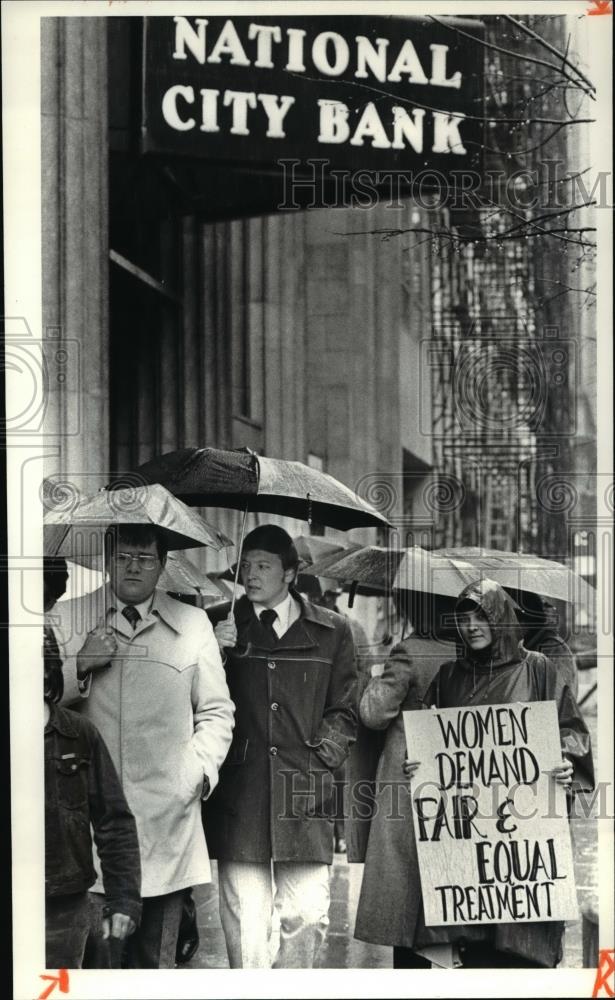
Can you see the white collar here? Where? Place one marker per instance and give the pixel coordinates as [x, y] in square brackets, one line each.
[285, 610]
[143, 608]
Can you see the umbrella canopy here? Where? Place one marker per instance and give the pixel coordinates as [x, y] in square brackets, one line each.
[522, 572]
[242, 480]
[227, 589]
[321, 565]
[312, 548]
[383, 569]
[181, 576]
[85, 522]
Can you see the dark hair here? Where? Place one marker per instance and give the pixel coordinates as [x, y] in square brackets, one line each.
[55, 576]
[467, 604]
[270, 538]
[134, 534]
[53, 678]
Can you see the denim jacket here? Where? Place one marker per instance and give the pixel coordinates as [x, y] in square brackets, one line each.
[82, 787]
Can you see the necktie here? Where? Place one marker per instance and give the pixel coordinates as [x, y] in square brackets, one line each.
[267, 618]
[131, 615]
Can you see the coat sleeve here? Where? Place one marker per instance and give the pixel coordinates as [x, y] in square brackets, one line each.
[563, 659]
[338, 729]
[115, 834]
[384, 695]
[574, 734]
[212, 709]
[435, 696]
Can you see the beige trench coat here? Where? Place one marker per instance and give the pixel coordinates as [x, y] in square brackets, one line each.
[164, 711]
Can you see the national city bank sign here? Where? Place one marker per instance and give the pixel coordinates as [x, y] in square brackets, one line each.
[372, 92]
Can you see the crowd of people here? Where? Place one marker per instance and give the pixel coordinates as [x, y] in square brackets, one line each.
[169, 742]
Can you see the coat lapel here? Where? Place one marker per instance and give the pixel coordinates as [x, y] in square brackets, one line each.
[302, 634]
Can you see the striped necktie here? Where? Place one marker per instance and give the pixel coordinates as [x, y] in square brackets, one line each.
[131, 615]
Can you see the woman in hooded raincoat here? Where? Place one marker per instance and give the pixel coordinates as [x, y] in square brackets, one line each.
[497, 671]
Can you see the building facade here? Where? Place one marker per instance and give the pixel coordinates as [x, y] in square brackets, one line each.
[439, 378]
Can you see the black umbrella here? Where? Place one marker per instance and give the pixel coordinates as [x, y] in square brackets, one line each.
[242, 480]
[212, 477]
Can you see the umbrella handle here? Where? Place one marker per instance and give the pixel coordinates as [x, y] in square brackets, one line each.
[239, 548]
[104, 580]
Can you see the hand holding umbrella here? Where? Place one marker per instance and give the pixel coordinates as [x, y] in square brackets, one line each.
[226, 632]
[97, 651]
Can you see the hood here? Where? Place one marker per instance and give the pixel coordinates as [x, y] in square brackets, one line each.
[499, 610]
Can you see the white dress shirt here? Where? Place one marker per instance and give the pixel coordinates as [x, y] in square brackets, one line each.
[143, 608]
[288, 611]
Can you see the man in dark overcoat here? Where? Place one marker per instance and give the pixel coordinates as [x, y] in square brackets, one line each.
[292, 677]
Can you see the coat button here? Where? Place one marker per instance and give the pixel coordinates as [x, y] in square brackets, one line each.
[274, 706]
[273, 751]
[271, 664]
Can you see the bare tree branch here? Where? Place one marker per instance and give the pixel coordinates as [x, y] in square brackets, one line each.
[551, 48]
[448, 234]
[517, 55]
[453, 114]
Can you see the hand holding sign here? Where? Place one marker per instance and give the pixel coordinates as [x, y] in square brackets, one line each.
[410, 767]
[562, 773]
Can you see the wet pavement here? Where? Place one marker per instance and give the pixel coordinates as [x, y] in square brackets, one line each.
[342, 951]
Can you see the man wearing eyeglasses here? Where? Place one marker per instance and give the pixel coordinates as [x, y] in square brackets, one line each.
[150, 676]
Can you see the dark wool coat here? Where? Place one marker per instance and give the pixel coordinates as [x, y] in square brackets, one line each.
[508, 675]
[295, 719]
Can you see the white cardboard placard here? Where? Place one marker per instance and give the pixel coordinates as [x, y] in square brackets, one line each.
[490, 822]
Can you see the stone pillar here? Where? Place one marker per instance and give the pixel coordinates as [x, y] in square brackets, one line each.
[75, 243]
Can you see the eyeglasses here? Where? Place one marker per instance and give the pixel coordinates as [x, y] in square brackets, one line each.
[143, 561]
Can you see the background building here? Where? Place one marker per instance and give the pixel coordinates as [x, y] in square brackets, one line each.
[451, 381]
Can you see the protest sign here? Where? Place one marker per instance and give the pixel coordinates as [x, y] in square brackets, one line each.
[490, 822]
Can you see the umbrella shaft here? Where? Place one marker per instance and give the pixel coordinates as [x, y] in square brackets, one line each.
[239, 548]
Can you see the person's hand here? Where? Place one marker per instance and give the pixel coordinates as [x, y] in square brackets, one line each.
[226, 632]
[562, 773]
[410, 768]
[120, 926]
[97, 651]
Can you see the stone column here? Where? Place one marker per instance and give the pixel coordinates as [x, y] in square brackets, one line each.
[75, 244]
